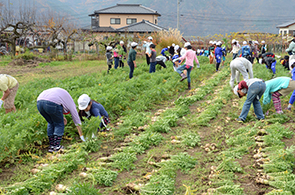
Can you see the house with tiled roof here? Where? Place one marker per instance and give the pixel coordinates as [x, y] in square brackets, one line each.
[125, 18]
[287, 29]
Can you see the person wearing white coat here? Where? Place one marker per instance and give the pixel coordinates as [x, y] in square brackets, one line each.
[240, 65]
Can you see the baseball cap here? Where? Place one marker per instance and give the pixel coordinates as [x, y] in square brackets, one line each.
[150, 38]
[133, 44]
[187, 44]
[83, 101]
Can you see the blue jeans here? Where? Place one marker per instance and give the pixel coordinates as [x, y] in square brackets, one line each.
[131, 66]
[153, 67]
[116, 59]
[255, 92]
[53, 114]
[187, 68]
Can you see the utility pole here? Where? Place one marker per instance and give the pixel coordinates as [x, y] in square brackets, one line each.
[178, 3]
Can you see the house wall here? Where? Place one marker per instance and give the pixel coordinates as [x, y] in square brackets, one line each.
[287, 31]
[105, 19]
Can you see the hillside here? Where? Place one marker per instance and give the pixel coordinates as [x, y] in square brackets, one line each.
[198, 18]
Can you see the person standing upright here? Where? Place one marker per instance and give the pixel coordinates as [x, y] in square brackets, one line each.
[218, 55]
[131, 59]
[148, 49]
[235, 48]
[263, 47]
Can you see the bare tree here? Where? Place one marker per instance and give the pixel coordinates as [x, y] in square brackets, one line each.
[15, 24]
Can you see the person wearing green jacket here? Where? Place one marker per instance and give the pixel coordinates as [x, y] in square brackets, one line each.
[280, 86]
[132, 58]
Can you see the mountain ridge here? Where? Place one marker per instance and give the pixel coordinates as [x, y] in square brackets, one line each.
[198, 18]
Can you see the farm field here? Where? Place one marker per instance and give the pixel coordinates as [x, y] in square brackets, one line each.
[164, 138]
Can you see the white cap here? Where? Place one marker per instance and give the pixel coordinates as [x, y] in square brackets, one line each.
[109, 48]
[214, 42]
[292, 62]
[219, 43]
[210, 42]
[173, 44]
[244, 42]
[256, 42]
[262, 42]
[83, 101]
[187, 44]
[133, 44]
[236, 88]
[233, 41]
[150, 38]
[176, 47]
[121, 42]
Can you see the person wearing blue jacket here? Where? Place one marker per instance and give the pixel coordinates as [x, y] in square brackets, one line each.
[89, 107]
[163, 51]
[292, 98]
[246, 51]
[280, 86]
[218, 54]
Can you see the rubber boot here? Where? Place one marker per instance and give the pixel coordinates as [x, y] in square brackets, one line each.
[57, 146]
[183, 76]
[51, 143]
[189, 86]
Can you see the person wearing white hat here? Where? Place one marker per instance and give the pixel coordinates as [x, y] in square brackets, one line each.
[235, 48]
[131, 59]
[172, 49]
[190, 57]
[263, 47]
[89, 107]
[240, 65]
[110, 57]
[246, 51]
[148, 49]
[53, 104]
[218, 54]
[211, 52]
[256, 51]
[254, 89]
[122, 54]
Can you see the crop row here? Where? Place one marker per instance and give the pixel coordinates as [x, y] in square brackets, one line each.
[26, 128]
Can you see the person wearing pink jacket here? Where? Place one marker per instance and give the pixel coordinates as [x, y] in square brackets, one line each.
[189, 57]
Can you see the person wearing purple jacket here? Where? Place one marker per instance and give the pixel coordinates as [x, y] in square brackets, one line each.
[53, 104]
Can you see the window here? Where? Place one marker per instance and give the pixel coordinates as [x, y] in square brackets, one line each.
[115, 21]
[131, 20]
[285, 32]
[156, 21]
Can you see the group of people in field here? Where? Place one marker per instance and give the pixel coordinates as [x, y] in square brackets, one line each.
[56, 102]
[254, 88]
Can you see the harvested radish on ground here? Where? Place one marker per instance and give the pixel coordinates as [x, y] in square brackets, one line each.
[83, 174]
[60, 188]
[174, 141]
[133, 186]
[52, 193]
[262, 132]
[34, 171]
